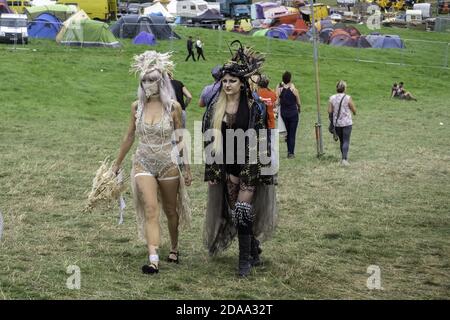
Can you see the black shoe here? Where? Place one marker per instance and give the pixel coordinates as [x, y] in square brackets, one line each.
[150, 268]
[176, 254]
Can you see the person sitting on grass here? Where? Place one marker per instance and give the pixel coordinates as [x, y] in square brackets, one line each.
[398, 91]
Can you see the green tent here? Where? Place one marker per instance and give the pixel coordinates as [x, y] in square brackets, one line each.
[260, 33]
[61, 11]
[89, 33]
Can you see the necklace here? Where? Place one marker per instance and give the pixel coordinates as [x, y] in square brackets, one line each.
[147, 133]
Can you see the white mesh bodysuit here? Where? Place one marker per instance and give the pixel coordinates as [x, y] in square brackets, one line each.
[153, 154]
[153, 158]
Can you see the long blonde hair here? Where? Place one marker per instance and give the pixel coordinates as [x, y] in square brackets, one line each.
[219, 112]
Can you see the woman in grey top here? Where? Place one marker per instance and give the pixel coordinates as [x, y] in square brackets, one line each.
[343, 123]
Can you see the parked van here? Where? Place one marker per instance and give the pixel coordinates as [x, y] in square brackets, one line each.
[13, 28]
[104, 10]
[18, 6]
[191, 8]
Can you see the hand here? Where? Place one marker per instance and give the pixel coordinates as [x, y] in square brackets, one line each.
[116, 168]
[212, 183]
[187, 178]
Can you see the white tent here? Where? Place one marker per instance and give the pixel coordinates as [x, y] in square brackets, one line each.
[158, 7]
[80, 15]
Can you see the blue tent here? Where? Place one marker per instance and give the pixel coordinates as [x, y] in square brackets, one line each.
[278, 33]
[385, 41]
[145, 38]
[45, 26]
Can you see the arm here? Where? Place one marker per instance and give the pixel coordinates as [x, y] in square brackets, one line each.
[297, 96]
[127, 140]
[330, 107]
[352, 106]
[188, 96]
[176, 116]
[201, 103]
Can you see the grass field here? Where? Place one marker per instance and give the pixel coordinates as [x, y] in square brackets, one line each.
[64, 109]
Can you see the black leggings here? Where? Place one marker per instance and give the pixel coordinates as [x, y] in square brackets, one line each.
[344, 139]
[291, 124]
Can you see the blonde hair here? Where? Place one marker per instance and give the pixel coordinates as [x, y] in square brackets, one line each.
[341, 86]
[219, 112]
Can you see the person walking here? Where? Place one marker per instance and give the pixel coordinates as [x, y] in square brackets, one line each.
[155, 118]
[199, 47]
[184, 97]
[289, 101]
[190, 45]
[340, 109]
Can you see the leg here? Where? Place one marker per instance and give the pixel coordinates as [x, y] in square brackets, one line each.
[288, 131]
[341, 140]
[233, 190]
[346, 132]
[294, 124]
[243, 217]
[169, 192]
[147, 189]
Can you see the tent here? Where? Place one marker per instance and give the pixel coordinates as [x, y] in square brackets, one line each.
[145, 38]
[260, 33]
[325, 34]
[209, 16]
[303, 36]
[245, 25]
[343, 40]
[45, 26]
[363, 43]
[4, 7]
[385, 41]
[79, 16]
[62, 12]
[278, 33]
[131, 25]
[156, 8]
[89, 33]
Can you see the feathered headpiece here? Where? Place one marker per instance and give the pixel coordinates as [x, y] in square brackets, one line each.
[152, 60]
[244, 63]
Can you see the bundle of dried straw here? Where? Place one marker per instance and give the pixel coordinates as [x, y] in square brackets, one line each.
[106, 186]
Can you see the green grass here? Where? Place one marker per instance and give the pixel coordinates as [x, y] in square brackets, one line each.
[60, 116]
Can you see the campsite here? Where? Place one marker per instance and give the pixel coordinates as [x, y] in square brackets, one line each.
[66, 106]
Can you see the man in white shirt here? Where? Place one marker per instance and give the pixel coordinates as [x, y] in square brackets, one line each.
[199, 47]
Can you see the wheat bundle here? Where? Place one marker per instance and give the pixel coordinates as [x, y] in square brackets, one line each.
[107, 186]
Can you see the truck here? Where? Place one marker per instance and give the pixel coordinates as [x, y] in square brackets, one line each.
[13, 28]
[104, 10]
[18, 6]
[234, 8]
